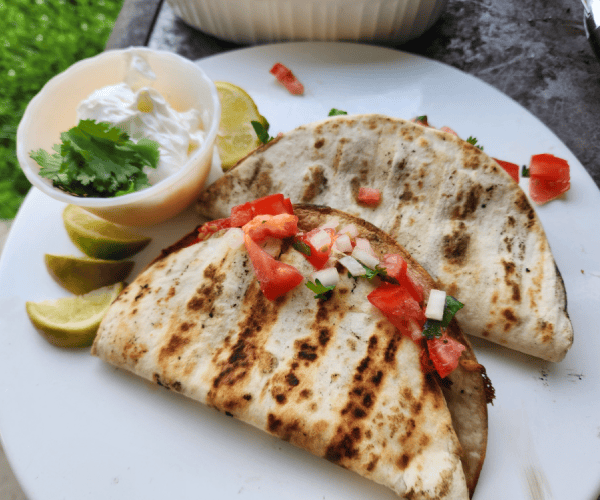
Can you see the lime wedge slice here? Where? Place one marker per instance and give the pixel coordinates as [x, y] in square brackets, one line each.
[236, 137]
[72, 321]
[100, 238]
[81, 275]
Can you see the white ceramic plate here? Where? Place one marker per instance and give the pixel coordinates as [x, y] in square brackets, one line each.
[74, 427]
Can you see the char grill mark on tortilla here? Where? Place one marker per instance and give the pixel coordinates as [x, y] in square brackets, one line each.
[332, 377]
[449, 204]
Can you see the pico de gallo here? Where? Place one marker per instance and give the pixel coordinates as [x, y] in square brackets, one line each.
[285, 76]
[395, 293]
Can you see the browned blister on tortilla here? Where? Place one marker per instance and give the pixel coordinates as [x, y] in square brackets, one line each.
[332, 377]
[448, 203]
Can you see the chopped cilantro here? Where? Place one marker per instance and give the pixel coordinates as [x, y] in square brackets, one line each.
[98, 159]
[371, 273]
[301, 247]
[433, 328]
[524, 171]
[322, 291]
[473, 141]
[421, 119]
[262, 131]
[336, 112]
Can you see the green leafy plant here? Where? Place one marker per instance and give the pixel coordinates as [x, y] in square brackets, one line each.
[322, 292]
[98, 159]
[38, 39]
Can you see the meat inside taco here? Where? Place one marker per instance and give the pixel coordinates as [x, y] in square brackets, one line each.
[227, 319]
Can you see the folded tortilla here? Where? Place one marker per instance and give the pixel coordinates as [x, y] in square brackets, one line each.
[457, 212]
[332, 377]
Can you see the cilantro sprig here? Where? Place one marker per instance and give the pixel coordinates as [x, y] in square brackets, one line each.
[371, 273]
[525, 172]
[433, 328]
[262, 131]
[321, 291]
[97, 159]
[473, 141]
[302, 247]
[336, 112]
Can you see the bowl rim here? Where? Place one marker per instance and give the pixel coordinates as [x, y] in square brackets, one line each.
[96, 202]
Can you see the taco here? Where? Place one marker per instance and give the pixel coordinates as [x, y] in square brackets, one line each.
[457, 212]
[328, 373]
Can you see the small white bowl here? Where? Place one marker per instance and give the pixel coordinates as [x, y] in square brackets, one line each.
[53, 110]
[258, 21]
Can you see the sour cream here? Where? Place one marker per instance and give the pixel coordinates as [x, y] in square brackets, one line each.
[141, 111]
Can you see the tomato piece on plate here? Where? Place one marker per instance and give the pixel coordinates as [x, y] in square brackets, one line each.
[397, 268]
[444, 353]
[273, 204]
[511, 168]
[275, 278]
[549, 167]
[211, 227]
[318, 255]
[287, 79]
[271, 226]
[398, 306]
[369, 196]
[542, 191]
[549, 178]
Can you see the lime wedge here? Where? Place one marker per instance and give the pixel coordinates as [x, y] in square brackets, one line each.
[236, 137]
[72, 321]
[100, 238]
[81, 275]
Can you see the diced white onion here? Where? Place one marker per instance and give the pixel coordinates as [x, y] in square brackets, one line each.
[332, 224]
[343, 243]
[327, 277]
[435, 305]
[367, 259]
[234, 238]
[320, 239]
[354, 267]
[272, 246]
[364, 245]
[416, 332]
[350, 230]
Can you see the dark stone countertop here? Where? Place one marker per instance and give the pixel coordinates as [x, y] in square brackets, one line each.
[535, 53]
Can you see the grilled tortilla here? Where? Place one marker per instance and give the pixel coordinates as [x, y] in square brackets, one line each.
[332, 377]
[450, 205]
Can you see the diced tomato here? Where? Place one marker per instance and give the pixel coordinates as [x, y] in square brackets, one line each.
[399, 307]
[449, 130]
[444, 352]
[275, 278]
[287, 79]
[549, 167]
[549, 178]
[273, 204]
[511, 168]
[241, 214]
[395, 265]
[397, 268]
[542, 191]
[271, 226]
[369, 196]
[318, 256]
[211, 227]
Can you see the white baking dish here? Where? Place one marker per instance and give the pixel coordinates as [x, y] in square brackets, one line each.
[258, 21]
